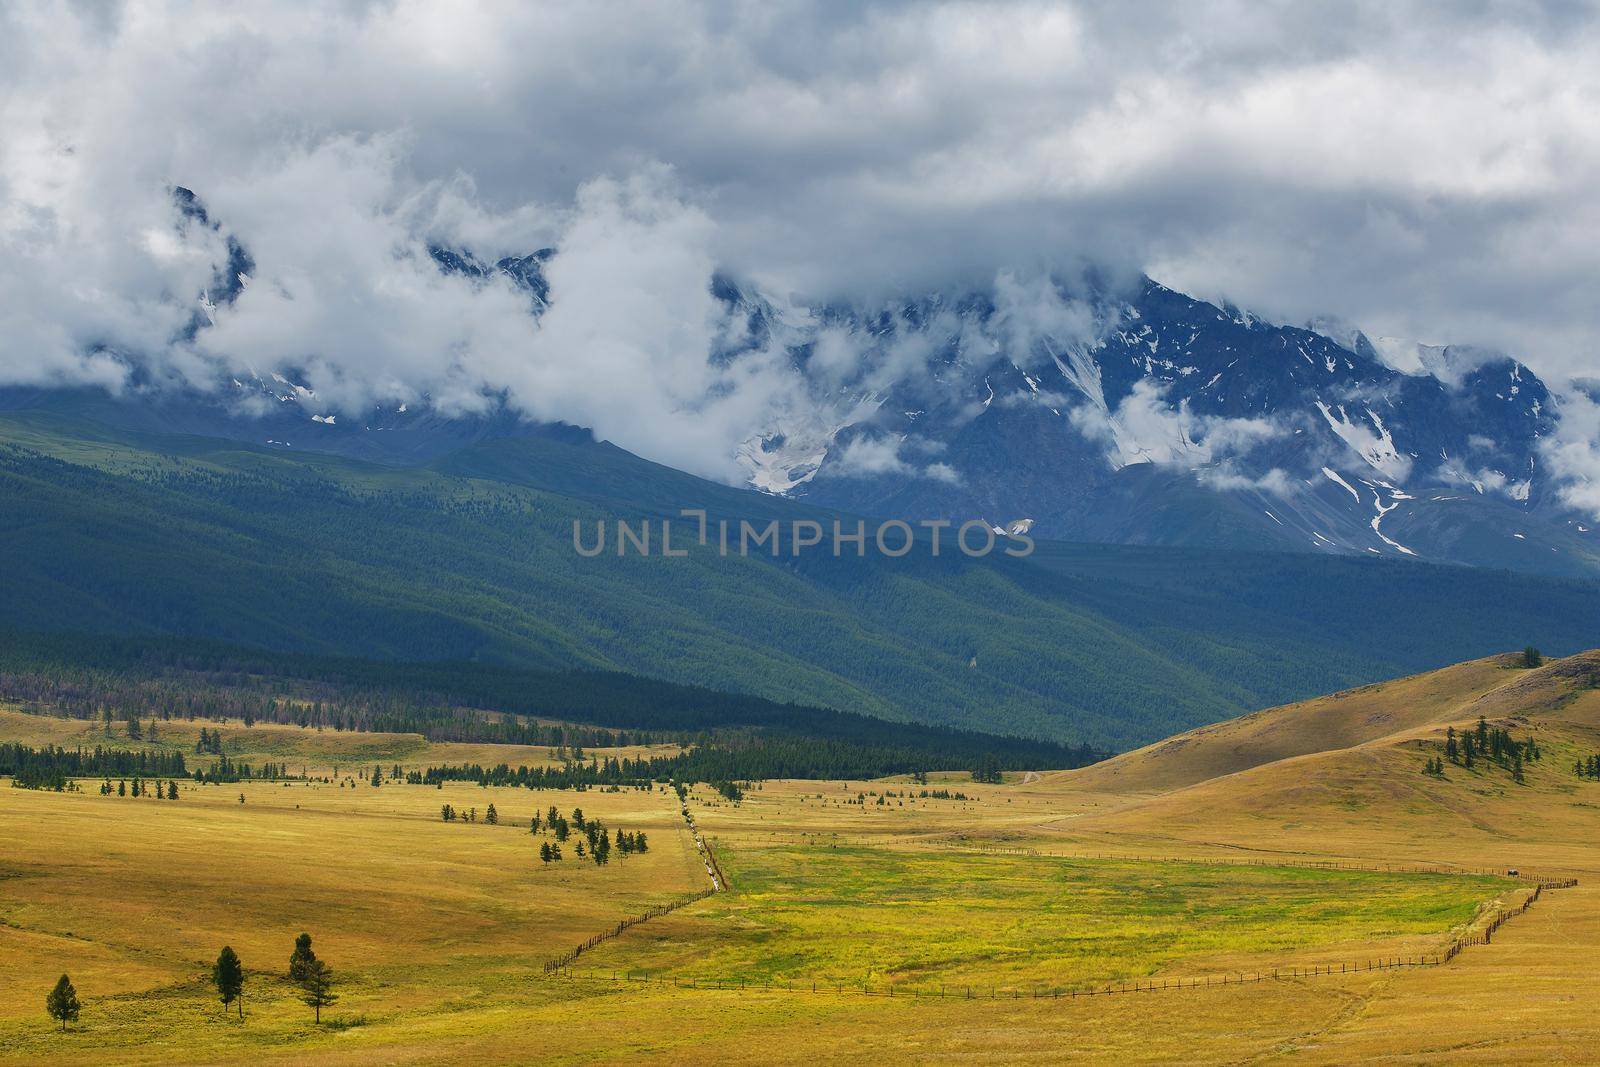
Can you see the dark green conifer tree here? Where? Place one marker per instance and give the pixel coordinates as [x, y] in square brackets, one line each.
[227, 974]
[316, 987]
[62, 1002]
[301, 958]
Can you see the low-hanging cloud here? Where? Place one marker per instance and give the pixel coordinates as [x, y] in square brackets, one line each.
[1424, 172]
[1145, 428]
[1573, 453]
[873, 455]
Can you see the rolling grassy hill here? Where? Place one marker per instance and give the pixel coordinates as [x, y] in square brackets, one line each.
[1339, 721]
[469, 558]
[1340, 774]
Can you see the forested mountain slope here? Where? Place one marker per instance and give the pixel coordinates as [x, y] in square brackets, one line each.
[471, 558]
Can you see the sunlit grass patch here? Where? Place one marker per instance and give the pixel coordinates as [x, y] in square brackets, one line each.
[880, 916]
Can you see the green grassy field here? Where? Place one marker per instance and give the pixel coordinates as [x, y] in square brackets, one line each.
[883, 917]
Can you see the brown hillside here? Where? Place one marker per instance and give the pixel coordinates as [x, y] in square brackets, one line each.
[1342, 800]
[1339, 721]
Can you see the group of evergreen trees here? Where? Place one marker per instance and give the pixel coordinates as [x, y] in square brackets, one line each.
[601, 841]
[226, 770]
[723, 762]
[119, 679]
[1488, 745]
[1587, 768]
[136, 732]
[739, 737]
[140, 788]
[450, 814]
[50, 767]
[313, 977]
[987, 770]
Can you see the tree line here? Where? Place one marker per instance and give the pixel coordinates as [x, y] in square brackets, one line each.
[749, 757]
[84, 676]
[49, 767]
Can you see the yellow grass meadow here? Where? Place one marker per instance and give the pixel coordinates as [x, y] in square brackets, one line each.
[1047, 883]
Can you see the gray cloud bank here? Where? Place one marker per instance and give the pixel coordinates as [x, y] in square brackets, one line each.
[1427, 171]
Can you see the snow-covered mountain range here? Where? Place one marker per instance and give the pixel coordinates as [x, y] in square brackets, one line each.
[1122, 412]
[1151, 417]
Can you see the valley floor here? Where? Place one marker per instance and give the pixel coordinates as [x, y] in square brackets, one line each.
[438, 931]
[991, 894]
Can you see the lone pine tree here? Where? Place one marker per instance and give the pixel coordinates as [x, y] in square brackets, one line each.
[227, 974]
[62, 1002]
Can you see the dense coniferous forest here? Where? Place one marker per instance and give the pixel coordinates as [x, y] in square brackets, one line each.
[50, 766]
[100, 678]
[720, 761]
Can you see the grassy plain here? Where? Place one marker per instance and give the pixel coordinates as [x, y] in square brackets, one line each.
[438, 932]
[135, 897]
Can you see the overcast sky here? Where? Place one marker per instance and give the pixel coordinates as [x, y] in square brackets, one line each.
[1429, 171]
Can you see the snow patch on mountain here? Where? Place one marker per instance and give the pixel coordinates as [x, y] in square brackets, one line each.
[1377, 502]
[1372, 443]
[790, 455]
[1334, 477]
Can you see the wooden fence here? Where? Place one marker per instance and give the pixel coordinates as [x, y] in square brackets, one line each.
[1486, 935]
[719, 882]
[565, 959]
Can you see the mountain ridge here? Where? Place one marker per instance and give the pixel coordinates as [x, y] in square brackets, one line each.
[1099, 410]
[470, 557]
